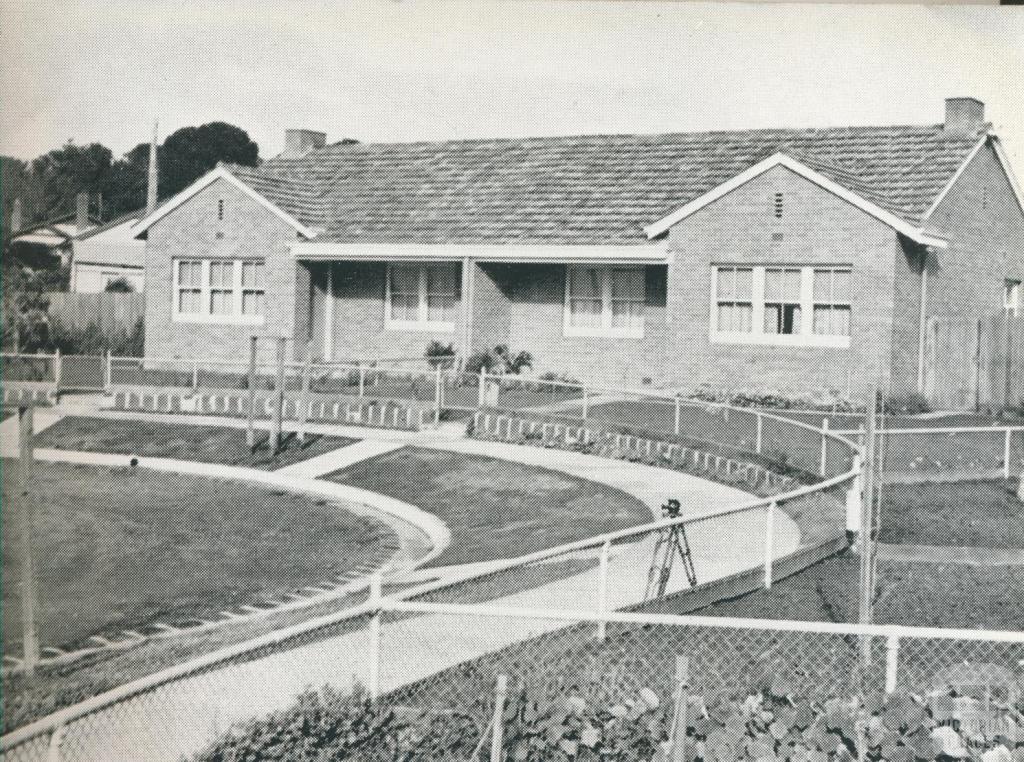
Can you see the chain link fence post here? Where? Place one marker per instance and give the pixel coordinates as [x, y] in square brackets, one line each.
[769, 544]
[498, 733]
[373, 686]
[892, 662]
[602, 589]
[824, 447]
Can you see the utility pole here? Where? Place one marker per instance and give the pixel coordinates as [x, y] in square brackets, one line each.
[867, 521]
[30, 636]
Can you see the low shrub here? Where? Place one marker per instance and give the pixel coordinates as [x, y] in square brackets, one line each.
[827, 401]
[92, 340]
[500, 360]
[767, 724]
[439, 355]
[906, 404]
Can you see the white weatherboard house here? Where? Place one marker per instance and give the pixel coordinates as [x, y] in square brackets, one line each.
[107, 253]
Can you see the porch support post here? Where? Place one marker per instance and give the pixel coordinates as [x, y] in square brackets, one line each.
[922, 321]
[329, 314]
[467, 306]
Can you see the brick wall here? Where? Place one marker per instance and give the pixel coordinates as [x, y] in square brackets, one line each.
[985, 229]
[492, 302]
[816, 228]
[359, 327]
[193, 230]
[537, 315]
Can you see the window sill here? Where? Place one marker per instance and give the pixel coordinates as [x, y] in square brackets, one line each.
[403, 325]
[783, 340]
[218, 319]
[573, 332]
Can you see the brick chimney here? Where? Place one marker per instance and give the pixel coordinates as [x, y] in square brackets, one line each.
[81, 212]
[300, 142]
[964, 116]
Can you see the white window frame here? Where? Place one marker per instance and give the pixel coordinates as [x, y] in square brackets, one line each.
[422, 323]
[1013, 293]
[204, 315]
[757, 336]
[606, 329]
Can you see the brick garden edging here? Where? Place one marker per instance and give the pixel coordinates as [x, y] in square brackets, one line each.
[327, 408]
[608, 442]
[29, 393]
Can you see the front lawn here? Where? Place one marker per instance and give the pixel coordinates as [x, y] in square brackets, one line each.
[978, 513]
[496, 508]
[917, 594]
[207, 444]
[122, 548]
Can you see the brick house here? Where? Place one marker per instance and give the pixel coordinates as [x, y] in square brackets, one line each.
[782, 259]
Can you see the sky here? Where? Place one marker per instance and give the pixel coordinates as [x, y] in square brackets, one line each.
[417, 70]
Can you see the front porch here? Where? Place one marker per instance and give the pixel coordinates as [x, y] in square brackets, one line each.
[589, 314]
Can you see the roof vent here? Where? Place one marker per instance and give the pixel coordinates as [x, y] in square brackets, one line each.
[300, 142]
[964, 116]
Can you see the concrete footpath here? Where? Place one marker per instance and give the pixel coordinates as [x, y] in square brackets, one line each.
[182, 717]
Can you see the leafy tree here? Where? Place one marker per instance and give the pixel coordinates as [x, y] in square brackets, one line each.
[26, 325]
[124, 189]
[191, 152]
[17, 182]
[185, 156]
[67, 171]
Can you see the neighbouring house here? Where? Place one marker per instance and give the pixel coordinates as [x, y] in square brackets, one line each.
[107, 253]
[787, 259]
[49, 244]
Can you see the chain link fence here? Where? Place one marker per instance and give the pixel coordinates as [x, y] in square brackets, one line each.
[435, 666]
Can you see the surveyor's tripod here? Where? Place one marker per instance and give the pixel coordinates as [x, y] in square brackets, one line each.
[671, 542]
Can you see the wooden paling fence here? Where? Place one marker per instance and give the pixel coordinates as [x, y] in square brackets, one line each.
[974, 363]
[112, 313]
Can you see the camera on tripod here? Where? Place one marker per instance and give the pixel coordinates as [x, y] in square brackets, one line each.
[671, 509]
[670, 543]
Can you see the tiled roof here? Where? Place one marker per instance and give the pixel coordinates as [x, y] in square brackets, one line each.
[136, 214]
[595, 189]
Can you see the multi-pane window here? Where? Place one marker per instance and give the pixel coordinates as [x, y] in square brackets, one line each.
[190, 287]
[422, 296]
[253, 288]
[605, 301]
[441, 293]
[782, 300]
[222, 281]
[735, 299]
[219, 290]
[832, 306]
[586, 296]
[781, 304]
[628, 298]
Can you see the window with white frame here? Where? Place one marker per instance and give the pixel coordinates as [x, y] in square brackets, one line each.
[605, 301]
[832, 307]
[422, 297]
[1012, 297]
[782, 307]
[219, 290]
[735, 299]
[786, 305]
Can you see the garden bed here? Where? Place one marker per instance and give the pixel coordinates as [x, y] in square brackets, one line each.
[977, 513]
[207, 444]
